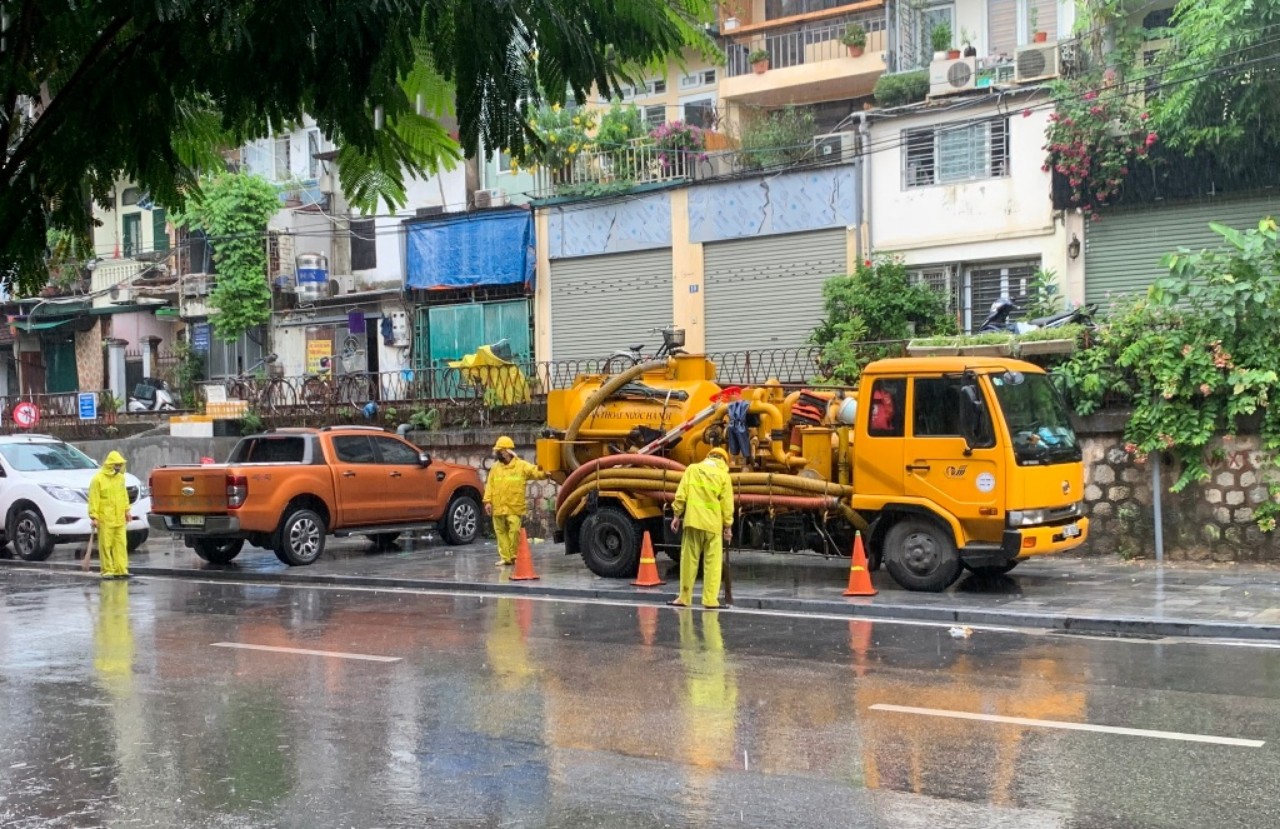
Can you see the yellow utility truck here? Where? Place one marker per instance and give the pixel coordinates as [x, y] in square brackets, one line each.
[942, 463]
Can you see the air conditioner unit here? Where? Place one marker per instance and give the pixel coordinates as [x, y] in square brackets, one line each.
[948, 77]
[342, 283]
[835, 146]
[1036, 62]
[1072, 58]
[121, 294]
[195, 284]
[493, 197]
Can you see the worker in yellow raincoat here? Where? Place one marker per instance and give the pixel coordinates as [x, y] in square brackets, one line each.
[109, 512]
[504, 496]
[704, 506]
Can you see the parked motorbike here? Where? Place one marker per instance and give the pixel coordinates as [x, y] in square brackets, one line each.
[998, 321]
[151, 395]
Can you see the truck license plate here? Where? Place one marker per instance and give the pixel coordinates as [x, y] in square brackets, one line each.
[191, 520]
[1071, 531]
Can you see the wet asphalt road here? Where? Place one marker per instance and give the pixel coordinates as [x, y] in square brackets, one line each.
[122, 705]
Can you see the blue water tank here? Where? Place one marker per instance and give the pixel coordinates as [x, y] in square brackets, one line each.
[313, 276]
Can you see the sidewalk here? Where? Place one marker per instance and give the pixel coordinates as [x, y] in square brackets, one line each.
[1082, 595]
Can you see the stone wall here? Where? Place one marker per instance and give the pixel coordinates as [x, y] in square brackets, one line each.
[1213, 520]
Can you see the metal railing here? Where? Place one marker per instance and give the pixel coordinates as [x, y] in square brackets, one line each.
[640, 162]
[806, 44]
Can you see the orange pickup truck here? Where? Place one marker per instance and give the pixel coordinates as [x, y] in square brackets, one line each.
[288, 489]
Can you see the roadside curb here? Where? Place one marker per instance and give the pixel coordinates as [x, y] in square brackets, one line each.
[851, 608]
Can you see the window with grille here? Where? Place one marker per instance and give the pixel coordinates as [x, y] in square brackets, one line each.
[655, 116]
[364, 245]
[939, 279]
[283, 171]
[952, 154]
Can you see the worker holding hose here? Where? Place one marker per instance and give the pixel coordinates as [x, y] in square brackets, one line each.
[704, 507]
[504, 496]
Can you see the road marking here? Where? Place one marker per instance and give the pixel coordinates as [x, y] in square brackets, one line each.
[1072, 726]
[366, 657]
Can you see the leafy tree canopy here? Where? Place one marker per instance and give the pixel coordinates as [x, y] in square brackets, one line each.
[140, 89]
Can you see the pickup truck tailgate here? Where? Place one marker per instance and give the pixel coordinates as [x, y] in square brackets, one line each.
[198, 490]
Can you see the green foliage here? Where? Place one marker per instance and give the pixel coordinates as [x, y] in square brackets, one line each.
[69, 252]
[563, 134]
[425, 420]
[990, 338]
[940, 37]
[758, 55]
[234, 210]
[108, 403]
[619, 126]
[1199, 353]
[870, 312]
[188, 374]
[901, 88]
[1046, 299]
[251, 422]
[201, 74]
[855, 35]
[778, 138]
[1062, 332]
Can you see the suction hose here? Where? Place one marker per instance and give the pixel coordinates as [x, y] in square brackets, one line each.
[609, 461]
[593, 402]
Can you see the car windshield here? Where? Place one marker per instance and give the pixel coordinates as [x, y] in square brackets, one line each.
[45, 457]
[1039, 425]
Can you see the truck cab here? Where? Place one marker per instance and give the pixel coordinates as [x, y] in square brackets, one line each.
[964, 463]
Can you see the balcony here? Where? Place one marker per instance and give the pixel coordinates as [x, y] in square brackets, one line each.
[627, 168]
[808, 63]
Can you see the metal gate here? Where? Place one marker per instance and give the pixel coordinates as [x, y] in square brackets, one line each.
[767, 292]
[602, 304]
[1123, 249]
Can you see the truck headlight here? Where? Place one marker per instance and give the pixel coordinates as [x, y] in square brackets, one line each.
[1035, 517]
[66, 493]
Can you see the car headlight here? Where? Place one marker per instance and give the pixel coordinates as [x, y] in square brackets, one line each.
[1034, 517]
[66, 493]
[144, 491]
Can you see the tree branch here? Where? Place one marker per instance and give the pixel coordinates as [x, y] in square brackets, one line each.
[22, 44]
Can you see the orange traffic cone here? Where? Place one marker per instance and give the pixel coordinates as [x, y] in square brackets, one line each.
[648, 575]
[524, 560]
[859, 578]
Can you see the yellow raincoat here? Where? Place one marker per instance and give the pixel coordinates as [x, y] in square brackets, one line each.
[504, 491]
[109, 507]
[704, 501]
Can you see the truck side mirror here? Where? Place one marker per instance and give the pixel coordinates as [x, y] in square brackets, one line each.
[424, 460]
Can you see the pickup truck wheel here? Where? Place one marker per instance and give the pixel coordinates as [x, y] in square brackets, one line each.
[301, 539]
[920, 556]
[217, 550]
[461, 522]
[610, 543]
[31, 539]
[136, 539]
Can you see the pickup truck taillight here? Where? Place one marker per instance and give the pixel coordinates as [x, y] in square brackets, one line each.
[237, 491]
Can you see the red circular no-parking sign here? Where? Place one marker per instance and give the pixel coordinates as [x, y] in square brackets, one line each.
[26, 415]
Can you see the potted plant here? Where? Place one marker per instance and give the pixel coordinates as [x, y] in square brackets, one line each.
[966, 37]
[759, 60]
[934, 347]
[1061, 340]
[1033, 15]
[940, 37]
[986, 345]
[855, 37]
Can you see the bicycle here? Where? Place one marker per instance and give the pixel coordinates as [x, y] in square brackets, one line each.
[319, 392]
[672, 345]
[267, 395]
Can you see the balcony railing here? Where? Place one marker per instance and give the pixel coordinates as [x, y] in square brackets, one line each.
[638, 163]
[805, 44]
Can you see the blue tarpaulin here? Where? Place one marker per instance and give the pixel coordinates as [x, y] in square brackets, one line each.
[473, 249]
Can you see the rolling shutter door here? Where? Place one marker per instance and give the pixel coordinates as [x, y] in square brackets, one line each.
[1123, 249]
[767, 292]
[603, 304]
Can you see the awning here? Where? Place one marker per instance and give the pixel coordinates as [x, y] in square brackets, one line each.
[38, 326]
[471, 249]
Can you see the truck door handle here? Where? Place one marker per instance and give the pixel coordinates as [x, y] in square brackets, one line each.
[918, 467]
[348, 474]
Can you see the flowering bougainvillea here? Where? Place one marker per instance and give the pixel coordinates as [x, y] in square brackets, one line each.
[678, 144]
[1093, 137]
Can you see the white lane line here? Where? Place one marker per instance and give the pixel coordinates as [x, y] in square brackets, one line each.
[366, 657]
[1072, 726]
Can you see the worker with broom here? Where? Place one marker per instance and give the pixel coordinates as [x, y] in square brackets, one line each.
[704, 507]
[109, 512]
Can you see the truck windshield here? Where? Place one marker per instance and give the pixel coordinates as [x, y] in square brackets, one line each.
[45, 457]
[1037, 416]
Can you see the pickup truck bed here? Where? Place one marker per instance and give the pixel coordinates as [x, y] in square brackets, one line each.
[288, 489]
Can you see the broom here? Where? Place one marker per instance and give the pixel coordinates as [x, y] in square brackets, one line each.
[88, 550]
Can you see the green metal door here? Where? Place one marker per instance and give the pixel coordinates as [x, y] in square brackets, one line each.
[450, 332]
[60, 365]
[1123, 249]
[132, 235]
[159, 230]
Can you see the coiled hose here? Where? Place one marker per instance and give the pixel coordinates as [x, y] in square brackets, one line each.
[602, 394]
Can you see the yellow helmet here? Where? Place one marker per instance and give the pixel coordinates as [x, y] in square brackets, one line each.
[504, 442]
[719, 453]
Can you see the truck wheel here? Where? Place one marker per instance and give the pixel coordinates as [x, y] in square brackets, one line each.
[920, 556]
[31, 539]
[217, 550]
[301, 538]
[610, 543]
[136, 539]
[461, 522]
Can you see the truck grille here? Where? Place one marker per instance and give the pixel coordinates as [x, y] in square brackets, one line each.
[133, 494]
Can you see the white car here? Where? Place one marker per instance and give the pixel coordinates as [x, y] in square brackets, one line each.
[44, 496]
